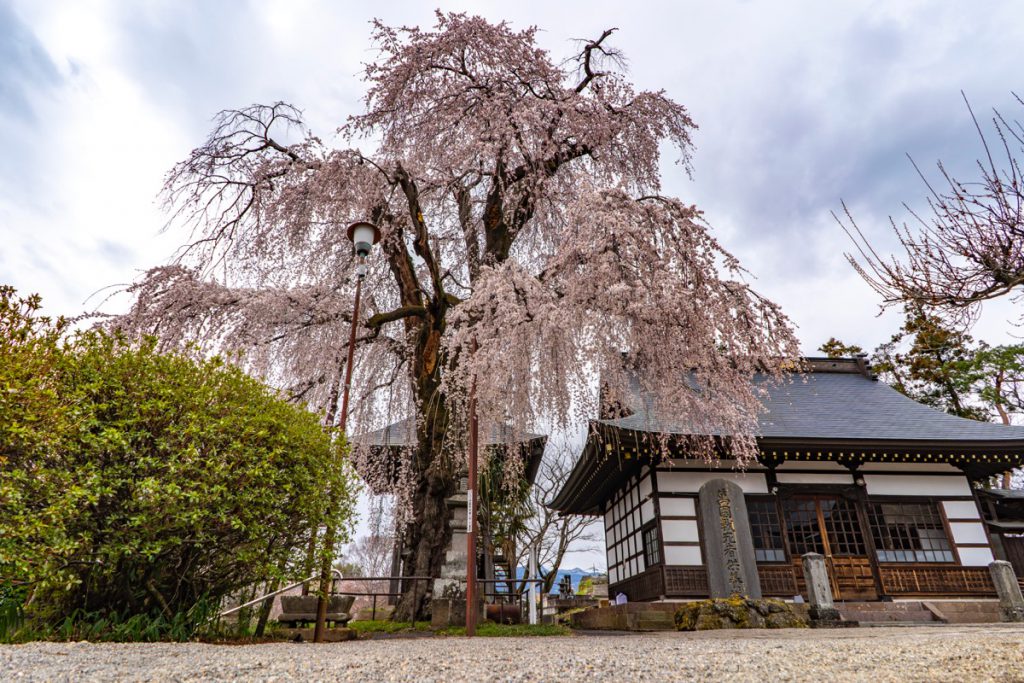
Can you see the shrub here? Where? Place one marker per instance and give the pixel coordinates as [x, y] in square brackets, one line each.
[138, 485]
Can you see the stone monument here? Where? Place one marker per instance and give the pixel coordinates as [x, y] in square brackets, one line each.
[731, 565]
[822, 609]
[448, 604]
[1011, 602]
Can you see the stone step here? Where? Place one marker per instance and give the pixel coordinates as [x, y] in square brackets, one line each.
[892, 617]
[887, 612]
[899, 624]
[967, 611]
[903, 606]
[655, 626]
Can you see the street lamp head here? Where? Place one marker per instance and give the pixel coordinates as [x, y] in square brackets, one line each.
[363, 236]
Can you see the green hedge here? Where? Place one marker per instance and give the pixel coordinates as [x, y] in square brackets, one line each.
[139, 485]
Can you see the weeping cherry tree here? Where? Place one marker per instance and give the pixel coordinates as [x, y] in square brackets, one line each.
[526, 249]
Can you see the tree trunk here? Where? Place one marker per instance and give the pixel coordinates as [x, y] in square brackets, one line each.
[428, 538]
[429, 532]
[1005, 417]
[265, 607]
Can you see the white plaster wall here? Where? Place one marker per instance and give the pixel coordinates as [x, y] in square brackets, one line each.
[677, 507]
[824, 466]
[975, 557]
[679, 530]
[647, 511]
[910, 467]
[725, 465]
[682, 554]
[690, 482]
[912, 485]
[645, 487]
[814, 478]
[961, 509]
[968, 532]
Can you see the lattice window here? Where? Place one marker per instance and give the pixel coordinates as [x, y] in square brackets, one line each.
[802, 526]
[939, 580]
[778, 580]
[842, 526]
[909, 532]
[686, 581]
[766, 530]
[652, 549]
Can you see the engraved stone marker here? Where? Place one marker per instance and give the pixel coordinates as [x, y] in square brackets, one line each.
[1011, 603]
[725, 527]
[819, 591]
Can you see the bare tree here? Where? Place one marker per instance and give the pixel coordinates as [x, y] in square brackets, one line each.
[525, 244]
[372, 554]
[969, 248]
[551, 532]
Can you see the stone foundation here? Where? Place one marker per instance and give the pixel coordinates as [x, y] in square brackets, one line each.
[445, 612]
[738, 612]
[633, 616]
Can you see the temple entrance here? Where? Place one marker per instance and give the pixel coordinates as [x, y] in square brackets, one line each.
[829, 525]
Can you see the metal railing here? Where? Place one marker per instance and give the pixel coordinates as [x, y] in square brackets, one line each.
[275, 593]
[512, 596]
[374, 593]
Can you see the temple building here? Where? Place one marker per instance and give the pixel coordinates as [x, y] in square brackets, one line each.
[887, 489]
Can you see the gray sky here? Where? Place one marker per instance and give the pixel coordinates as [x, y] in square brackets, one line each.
[800, 105]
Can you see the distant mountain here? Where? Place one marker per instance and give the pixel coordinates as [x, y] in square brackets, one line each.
[576, 573]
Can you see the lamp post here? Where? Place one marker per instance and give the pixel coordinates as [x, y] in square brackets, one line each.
[363, 236]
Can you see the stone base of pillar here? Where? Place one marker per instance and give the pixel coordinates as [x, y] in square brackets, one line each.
[1012, 614]
[445, 612]
[828, 617]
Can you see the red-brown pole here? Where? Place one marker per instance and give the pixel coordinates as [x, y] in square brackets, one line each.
[471, 514]
[328, 557]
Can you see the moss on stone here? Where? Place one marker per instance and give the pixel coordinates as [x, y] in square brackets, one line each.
[737, 612]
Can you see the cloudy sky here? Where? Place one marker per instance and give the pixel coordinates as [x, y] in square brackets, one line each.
[800, 105]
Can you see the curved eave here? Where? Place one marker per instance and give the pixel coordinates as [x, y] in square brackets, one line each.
[598, 471]
[601, 469]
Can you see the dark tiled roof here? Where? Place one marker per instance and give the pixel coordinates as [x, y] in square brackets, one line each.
[402, 434]
[836, 405]
[844, 406]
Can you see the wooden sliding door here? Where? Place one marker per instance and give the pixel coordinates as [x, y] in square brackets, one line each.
[830, 525]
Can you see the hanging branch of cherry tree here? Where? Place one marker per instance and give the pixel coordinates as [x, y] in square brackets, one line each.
[969, 247]
[520, 206]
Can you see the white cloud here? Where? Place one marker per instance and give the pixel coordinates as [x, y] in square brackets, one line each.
[801, 104]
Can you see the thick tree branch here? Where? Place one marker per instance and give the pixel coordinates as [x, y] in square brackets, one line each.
[587, 59]
[397, 314]
[421, 243]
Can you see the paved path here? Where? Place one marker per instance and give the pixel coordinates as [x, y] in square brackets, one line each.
[966, 654]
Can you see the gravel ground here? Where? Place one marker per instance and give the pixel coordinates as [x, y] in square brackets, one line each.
[953, 653]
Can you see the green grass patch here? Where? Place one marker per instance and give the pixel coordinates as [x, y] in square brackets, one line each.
[491, 630]
[383, 626]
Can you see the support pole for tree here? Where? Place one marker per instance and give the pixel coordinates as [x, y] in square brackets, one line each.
[325, 564]
[471, 513]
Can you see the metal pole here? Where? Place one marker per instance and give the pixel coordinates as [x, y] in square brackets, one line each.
[471, 514]
[328, 558]
[533, 585]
